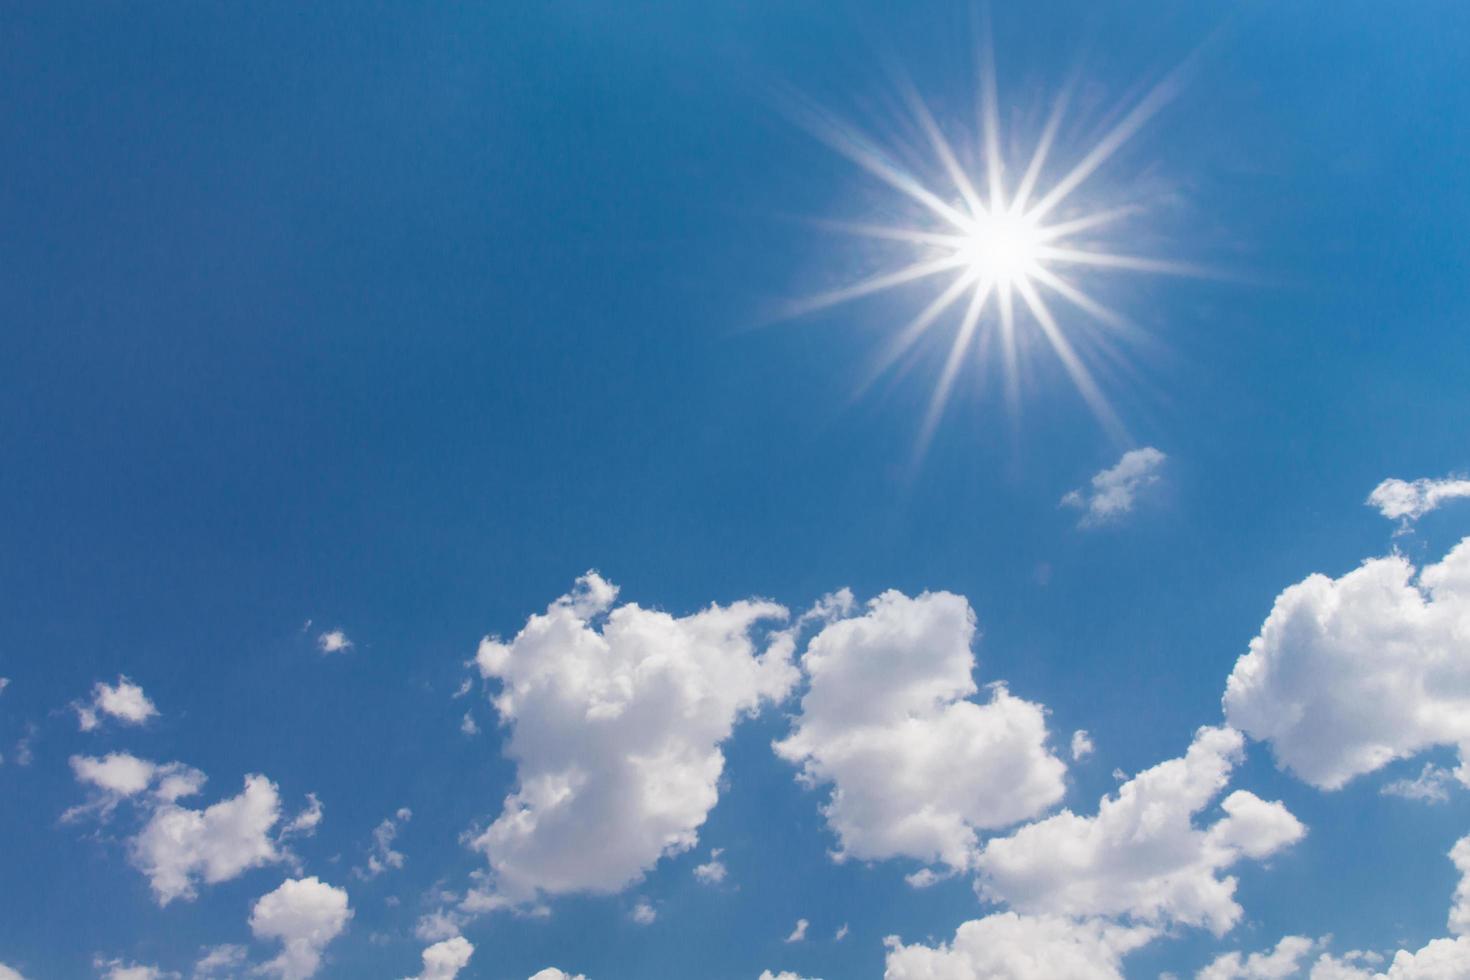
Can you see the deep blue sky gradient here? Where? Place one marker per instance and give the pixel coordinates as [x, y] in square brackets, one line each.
[400, 317]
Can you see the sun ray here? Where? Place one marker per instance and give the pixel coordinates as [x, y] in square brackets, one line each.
[1043, 147]
[878, 283]
[914, 329]
[1120, 134]
[1109, 260]
[1081, 377]
[909, 236]
[957, 350]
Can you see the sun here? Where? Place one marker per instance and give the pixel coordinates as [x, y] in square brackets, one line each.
[997, 245]
[999, 248]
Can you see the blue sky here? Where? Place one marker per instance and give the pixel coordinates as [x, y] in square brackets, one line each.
[397, 321]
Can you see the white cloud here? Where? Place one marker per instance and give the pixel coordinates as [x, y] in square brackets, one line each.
[305, 823]
[1082, 746]
[468, 726]
[1349, 674]
[9, 973]
[1142, 855]
[222, 961]
[916, 768]
[1021, 947]
[643, 913]
[616, 716]
[1432, 785]
[383, 857]
[552, 973]
[116, 969]
[841, 933]
[120, 776]
[179, 847]
[713, 871]
[124, 701]
[305, 915]
[1285, 961]
[1114, 491]
[1408, 501]
[333, 641]
[444, 960]
[799, 933]
[783, 975]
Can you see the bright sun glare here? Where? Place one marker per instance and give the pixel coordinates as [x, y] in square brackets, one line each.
[998, 243]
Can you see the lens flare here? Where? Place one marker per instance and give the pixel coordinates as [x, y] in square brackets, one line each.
[998, 249]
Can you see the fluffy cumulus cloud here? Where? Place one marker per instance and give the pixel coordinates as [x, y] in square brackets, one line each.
[124, 702]
[916, 767]
[1349, 674]
[552, 973]
[1021, 947]
[784, 975]
[1113, 492]
[1285, 961]
[1408, 501]
[444, 960]
[177, 848]
[616, 718]
[1142, 855]
[304, 915]
[9, 973]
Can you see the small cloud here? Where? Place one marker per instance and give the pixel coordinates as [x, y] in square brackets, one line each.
[923, 878]
[220, 961]
[1081, 745]
[333, 641]
[713, 871]
[1407, 501]
[444, 960]
[1432, 785]
[468, 726]
[383, 857]
[799, 933]
[841, 933]
[465, 686]
[1113, 492]
[643, 913]
[124, 701]
[116, 969]
[304, 824]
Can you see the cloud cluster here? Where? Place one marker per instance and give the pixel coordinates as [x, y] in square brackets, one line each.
[1021, 947]
[383, 857]
[177, 848]
[1284, 961]
[616, 719]
[916, 767]
[1349, 674]
[1142, 855]
[1112, 493]
[1446, 958]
